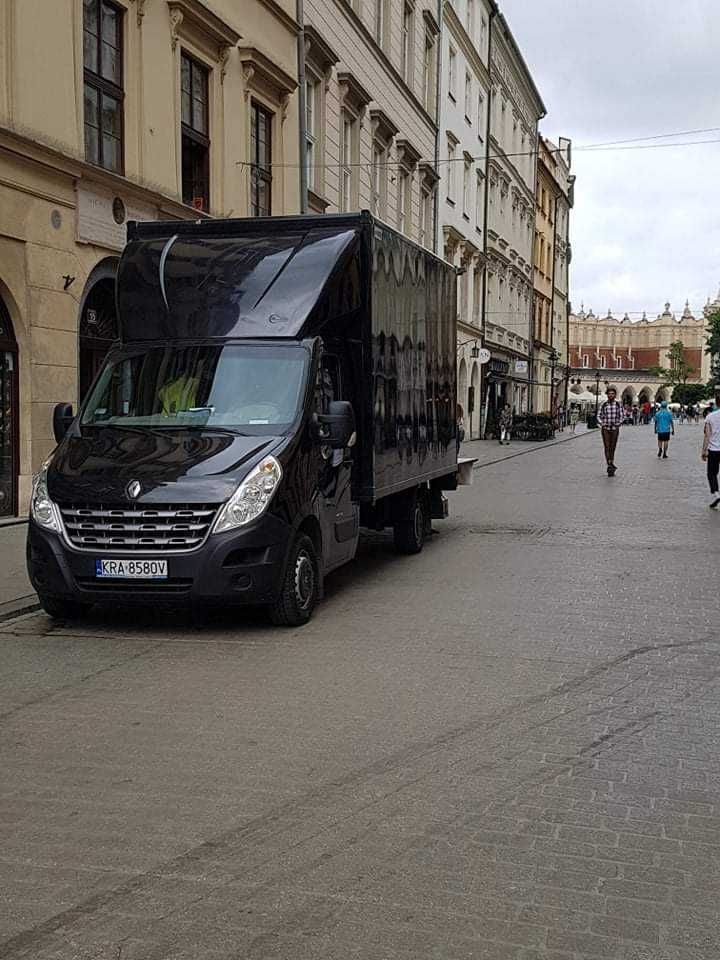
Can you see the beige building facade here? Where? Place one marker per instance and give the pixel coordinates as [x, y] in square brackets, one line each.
[112, 110]
[464, 102]
[371, 96]
[516, 109]
[551, 260]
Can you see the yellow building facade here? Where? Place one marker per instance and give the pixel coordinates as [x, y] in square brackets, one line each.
[117, 110]
[543, 276]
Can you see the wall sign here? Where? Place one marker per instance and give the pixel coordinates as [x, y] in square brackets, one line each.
[100, 220]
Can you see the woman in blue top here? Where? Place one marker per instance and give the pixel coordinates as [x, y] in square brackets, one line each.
[664, 426]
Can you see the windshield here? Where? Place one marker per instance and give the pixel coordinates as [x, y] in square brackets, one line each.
[252, 389]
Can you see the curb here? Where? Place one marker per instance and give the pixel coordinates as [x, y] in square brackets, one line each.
[522, 453]
[12, 609]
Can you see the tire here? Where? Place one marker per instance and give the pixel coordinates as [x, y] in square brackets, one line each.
[62, 608]
[300, 588]
[409, 527]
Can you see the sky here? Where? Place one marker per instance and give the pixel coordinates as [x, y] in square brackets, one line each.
[645, 228]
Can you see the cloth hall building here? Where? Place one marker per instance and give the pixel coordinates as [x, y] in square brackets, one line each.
[624, 351]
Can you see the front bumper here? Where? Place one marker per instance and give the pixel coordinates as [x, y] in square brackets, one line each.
[238, 567]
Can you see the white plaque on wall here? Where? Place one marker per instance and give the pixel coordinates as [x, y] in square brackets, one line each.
[102, 217]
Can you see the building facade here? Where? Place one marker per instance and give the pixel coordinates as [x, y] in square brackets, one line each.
[623, 352]
[551, 256]
[565, 182]
[464, 100]
[516, 109]
[371, 107]
[143, 109]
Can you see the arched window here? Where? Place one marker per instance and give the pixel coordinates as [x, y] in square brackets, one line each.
[98, 326]
[9, 413]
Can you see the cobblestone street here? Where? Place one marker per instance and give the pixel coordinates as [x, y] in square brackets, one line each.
[505, 748]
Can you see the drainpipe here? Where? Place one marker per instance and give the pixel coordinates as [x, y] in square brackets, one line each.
[302, 106]
[484, 407]
[436, 198]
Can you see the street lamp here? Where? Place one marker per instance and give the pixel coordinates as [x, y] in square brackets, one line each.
[597, 393]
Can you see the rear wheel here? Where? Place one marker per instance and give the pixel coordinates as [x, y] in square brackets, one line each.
[299, 592]
[63, 608]
[410, 525]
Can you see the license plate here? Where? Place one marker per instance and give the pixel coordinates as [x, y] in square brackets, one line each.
[132, 569]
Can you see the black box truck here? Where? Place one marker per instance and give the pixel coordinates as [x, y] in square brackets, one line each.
[278, 384]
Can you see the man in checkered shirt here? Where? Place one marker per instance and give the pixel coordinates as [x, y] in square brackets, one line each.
[610, 418]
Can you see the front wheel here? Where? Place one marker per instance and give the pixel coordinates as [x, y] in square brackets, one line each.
[410, 526]
[62, 608]
[299, 591]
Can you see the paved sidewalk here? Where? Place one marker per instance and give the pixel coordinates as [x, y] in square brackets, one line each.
[16, 593]
[490, 451]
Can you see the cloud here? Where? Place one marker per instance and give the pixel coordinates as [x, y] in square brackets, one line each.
[644, 229]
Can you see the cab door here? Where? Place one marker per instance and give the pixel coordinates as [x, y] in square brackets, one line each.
[339, 516]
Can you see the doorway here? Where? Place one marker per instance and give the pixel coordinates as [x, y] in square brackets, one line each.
[98, 327]
[9, 413]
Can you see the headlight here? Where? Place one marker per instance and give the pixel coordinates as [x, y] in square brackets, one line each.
[251, 497]
[42, 509]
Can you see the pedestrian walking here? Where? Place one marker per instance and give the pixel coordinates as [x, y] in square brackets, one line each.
[664, 426]
[574, 417]
[711, 449]
[505, 426]
[610, 418]
[460, 435]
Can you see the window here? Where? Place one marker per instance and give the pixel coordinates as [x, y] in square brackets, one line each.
[480, 117]
[586, 360]
[477, 291]
[618, 363]
[429, 73]
[483, 36]
[452, 72]
[470, 19]
[379, 179]
[468, 97]
[194, 131]
[408, 31]
[103, 84]
[261, 160]
[426, 219]
[542, 199]
[312, 130]
[451, 171]
[380, 21]
[403, 202]
[467, 173]
[479, 201]
[347, 149]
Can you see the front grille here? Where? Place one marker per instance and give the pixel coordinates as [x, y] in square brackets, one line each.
[137, 526]
[104, 584]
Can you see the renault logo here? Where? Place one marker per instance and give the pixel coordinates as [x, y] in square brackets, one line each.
[133, 489]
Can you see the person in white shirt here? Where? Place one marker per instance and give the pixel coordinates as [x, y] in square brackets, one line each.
[711, 449]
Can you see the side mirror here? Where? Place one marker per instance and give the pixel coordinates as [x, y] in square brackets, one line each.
[338, 424]
[63, 416]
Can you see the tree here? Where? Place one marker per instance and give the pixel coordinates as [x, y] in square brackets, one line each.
[679, 371]
[712, 348]
[689, 393]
